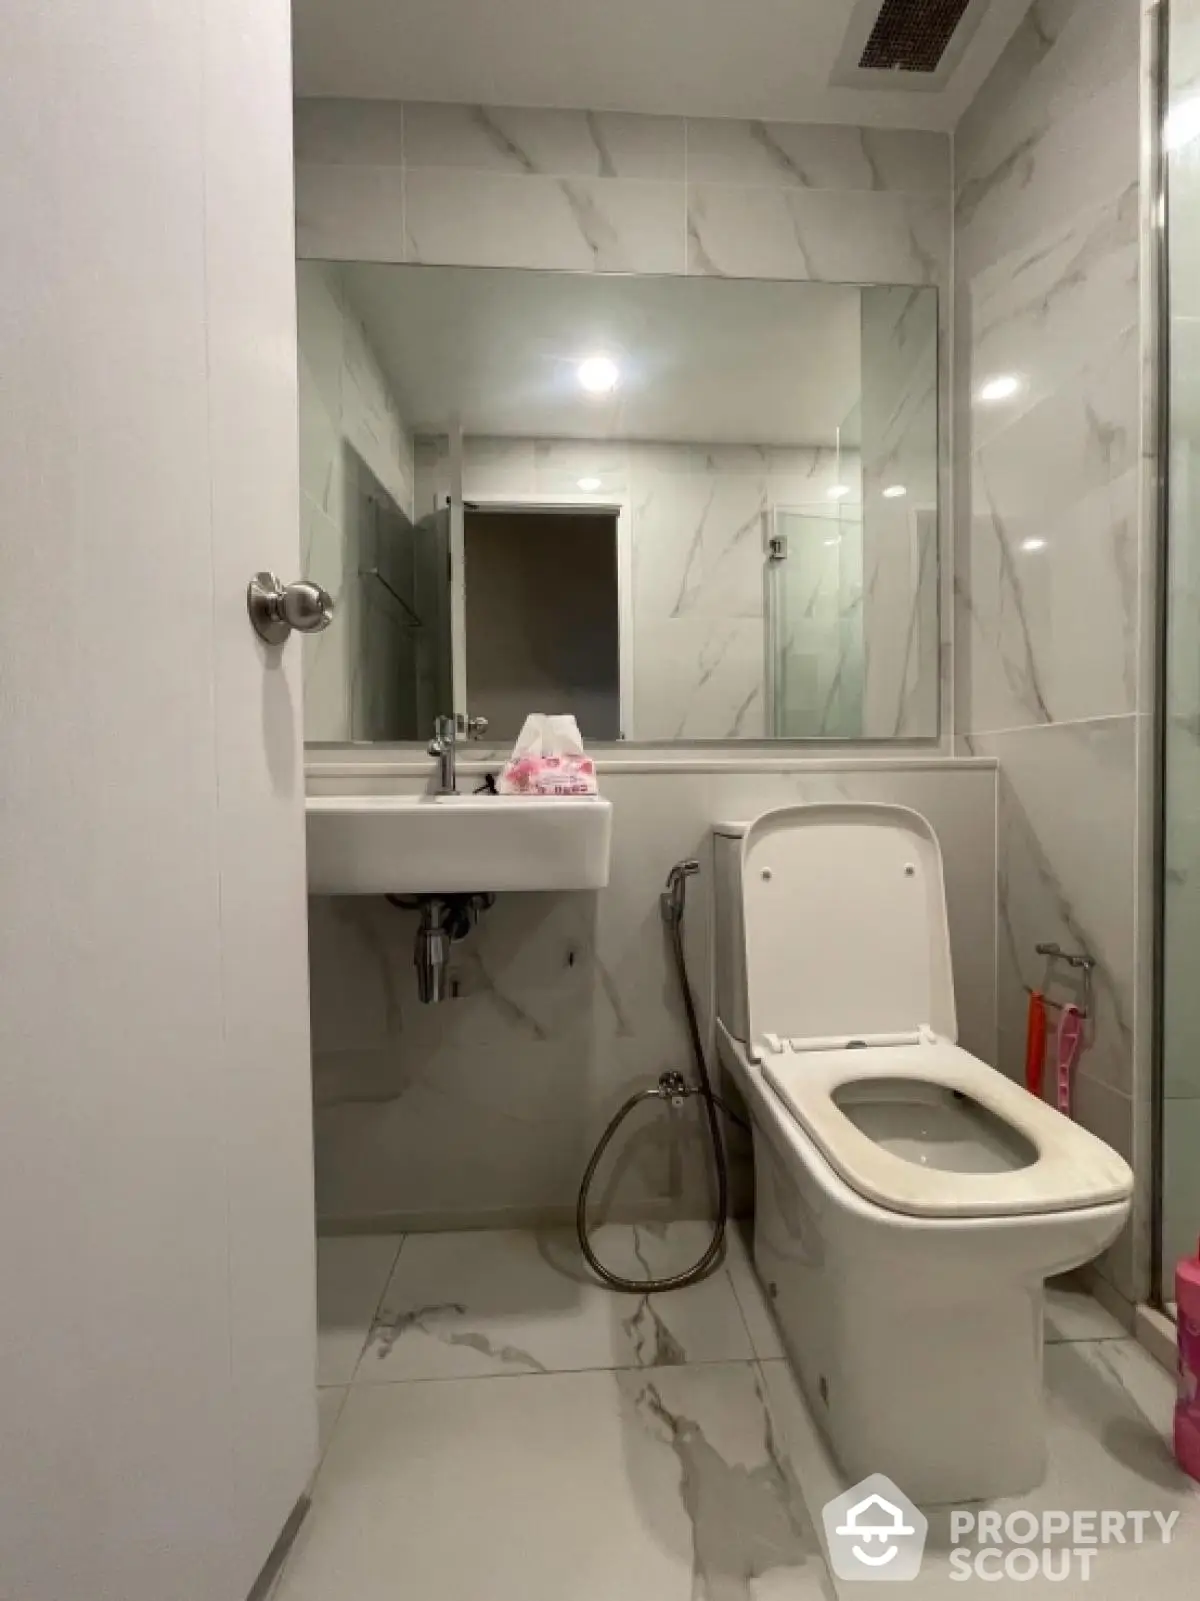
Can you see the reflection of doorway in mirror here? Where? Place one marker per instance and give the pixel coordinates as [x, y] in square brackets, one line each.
[814, 636]
[542, 617]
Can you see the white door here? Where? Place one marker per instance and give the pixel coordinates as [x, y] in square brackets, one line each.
[156, 1233]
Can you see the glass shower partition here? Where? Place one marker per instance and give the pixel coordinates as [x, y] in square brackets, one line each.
[1178, 1087]
[814, 615]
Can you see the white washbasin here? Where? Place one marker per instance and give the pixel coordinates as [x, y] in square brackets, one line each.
[431, 844]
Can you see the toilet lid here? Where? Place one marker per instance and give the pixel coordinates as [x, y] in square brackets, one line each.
[845, 927]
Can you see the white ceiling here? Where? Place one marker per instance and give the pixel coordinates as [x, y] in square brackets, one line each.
[773, 59]
[702, 359]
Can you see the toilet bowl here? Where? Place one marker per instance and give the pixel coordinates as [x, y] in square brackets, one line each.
[910, 1200]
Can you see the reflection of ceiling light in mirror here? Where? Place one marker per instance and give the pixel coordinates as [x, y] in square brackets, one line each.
[830, 542]
[1033, 544]
[589, 485]
[894, 492]
[1003, 387]
[599, 374]
[839, 491]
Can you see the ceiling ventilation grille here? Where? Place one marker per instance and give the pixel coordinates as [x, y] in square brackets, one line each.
[912, 35]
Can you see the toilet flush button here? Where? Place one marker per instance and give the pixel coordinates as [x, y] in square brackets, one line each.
[766, 872]
[910, 870]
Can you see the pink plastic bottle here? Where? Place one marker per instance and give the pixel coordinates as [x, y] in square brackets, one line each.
[1187, 1407]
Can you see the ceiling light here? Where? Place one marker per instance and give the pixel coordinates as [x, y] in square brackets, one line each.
[599, 375]
[839, 491]
[895, 492]
[589, 485]
[1003, 387]
[1033, 544]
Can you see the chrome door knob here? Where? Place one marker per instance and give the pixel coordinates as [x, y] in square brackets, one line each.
[275, 608]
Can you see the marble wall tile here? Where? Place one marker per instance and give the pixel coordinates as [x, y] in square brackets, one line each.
[1038, 312]
[698, 677]
[816, 156]
[1051, 83]
[1066, 864]
[554, 144]
[480, 219]
[698, 546]
[349, 213]
[1054, 508]
[485, 1109]
[1067, 855]
[1062, 54]
[1089, 155]
[1052, 547]
[835, 236]
[362, 133]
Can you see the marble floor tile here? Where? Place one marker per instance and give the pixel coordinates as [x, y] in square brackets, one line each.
[1108, 1417]
[351, 1274]
[1073, 1314]
[509, 1301]
[752, 1297]
[330, 1401]
[664, 1486]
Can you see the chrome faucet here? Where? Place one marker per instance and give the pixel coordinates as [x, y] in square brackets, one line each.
[443, 745]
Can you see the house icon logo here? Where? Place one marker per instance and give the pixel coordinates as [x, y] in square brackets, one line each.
[874, 1532]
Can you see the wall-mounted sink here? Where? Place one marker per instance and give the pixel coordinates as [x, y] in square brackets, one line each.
[448, 844]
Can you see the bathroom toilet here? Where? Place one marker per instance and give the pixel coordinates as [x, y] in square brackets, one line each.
[911, 1201]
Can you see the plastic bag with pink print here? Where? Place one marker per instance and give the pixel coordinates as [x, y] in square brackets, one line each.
[549, 759]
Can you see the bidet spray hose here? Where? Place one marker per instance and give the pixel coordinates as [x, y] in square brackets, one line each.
[672, 904]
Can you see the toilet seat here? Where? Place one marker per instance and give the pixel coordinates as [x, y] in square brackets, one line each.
[1071, 1169]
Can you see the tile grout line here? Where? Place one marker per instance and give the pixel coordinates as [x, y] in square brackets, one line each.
[738, 1303]
[566, 1373]
[379, 1299]
[813, 1515]
[1063, 722]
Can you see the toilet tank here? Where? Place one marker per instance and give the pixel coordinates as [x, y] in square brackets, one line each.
[729, 941]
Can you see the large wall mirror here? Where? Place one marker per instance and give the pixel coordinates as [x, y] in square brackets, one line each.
[680, 508]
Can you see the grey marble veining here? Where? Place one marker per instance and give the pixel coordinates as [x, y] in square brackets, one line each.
[1049, 595]
[475, 219]
[700, 1481]
[815, 156]
[559, 144]
[683, 1493]
[1036, 311]
[834, 236]
[502, 1301]
[611, 192]
[1067, 868]
[1052, 568]
[1057, 117]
